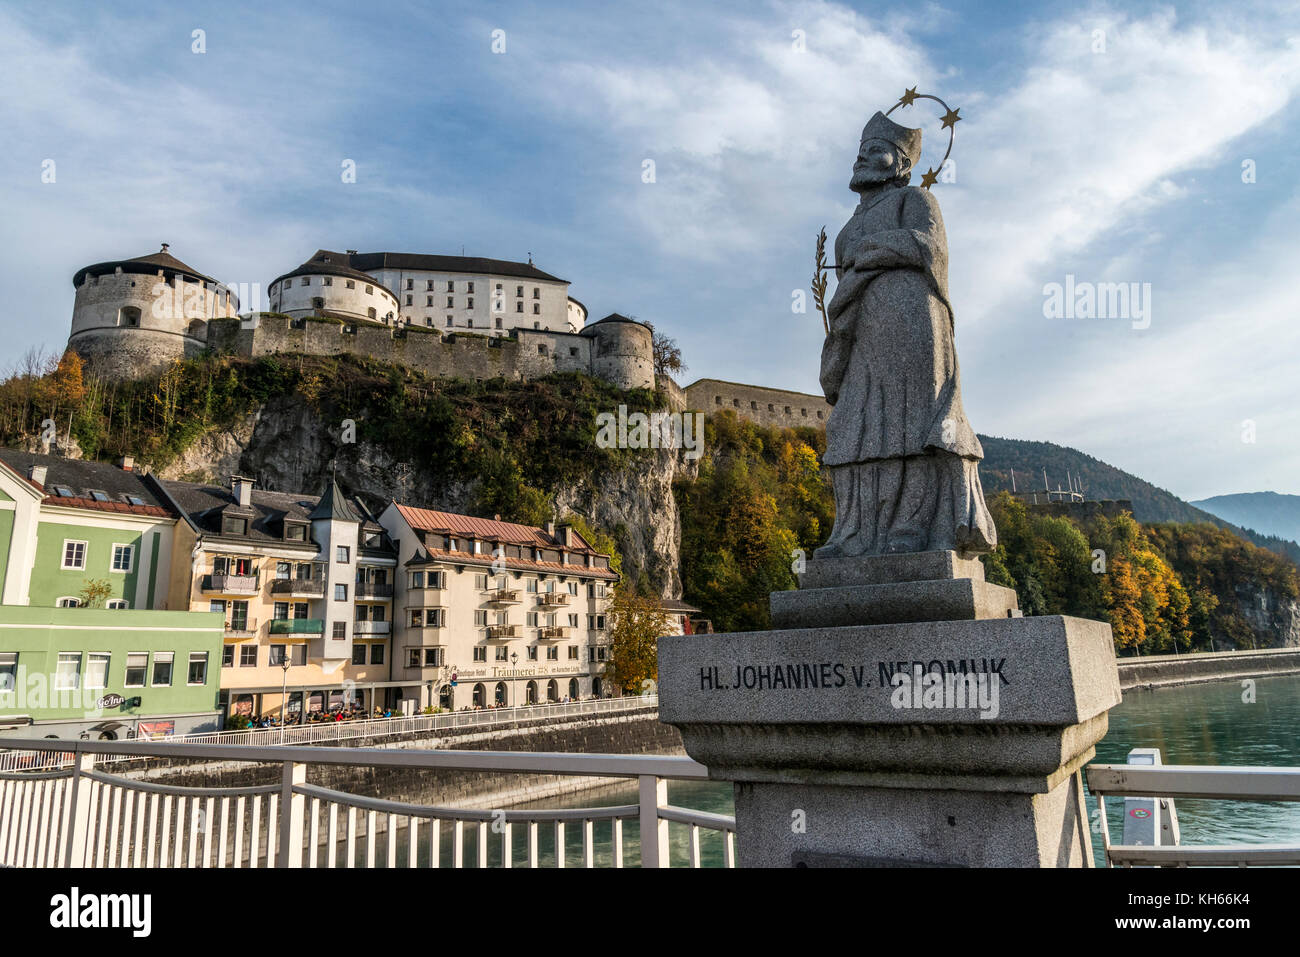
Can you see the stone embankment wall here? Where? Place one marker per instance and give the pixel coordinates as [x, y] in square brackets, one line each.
[639, 732]
[1169, 670]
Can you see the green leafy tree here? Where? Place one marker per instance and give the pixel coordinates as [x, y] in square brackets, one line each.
[94, 593]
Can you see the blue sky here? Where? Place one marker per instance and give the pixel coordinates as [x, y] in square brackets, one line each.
[1114, 164]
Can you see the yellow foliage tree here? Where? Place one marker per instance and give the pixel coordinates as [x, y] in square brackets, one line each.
[636, 623]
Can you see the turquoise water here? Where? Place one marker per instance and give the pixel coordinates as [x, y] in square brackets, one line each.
[1212, 724]
[1199, 724]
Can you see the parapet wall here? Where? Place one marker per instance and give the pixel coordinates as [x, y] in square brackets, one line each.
[770, 407]
[527, 354]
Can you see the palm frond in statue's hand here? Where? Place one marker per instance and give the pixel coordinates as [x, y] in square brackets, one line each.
[819, 280]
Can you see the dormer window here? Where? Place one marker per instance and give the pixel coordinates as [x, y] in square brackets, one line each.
[63, 491]
[98, 496]
[451, 545]
[477, 547]
[234, 525]
[295, 532]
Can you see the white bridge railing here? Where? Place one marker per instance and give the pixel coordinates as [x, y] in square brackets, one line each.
[79, 816]
[1162, 784]
[21, 758]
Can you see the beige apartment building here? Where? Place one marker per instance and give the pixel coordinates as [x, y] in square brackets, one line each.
[495, 613]
[306, 587]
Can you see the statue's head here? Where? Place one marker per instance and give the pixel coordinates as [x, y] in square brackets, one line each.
[886, 154]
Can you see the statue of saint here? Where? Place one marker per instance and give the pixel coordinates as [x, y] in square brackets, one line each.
[903, 460]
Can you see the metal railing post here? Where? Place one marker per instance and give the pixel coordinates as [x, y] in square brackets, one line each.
[654, 829]
[292, 808]
[78, 810]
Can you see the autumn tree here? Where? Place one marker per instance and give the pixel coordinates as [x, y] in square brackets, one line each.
[636, 623]
[667, 354]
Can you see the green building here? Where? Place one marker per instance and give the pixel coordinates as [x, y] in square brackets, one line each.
[87, 646]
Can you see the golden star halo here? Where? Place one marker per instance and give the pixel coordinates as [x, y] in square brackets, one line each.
[950, 120]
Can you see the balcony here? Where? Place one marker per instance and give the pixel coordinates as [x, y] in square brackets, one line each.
[552, 632]
[502, 632]
[372, 627]
[299, 587]
[502, 596]
[372, 590]
[298, 626]
[241, 628]
[229, 585]
[554, 597]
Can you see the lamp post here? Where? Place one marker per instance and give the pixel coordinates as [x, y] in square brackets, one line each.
[284, 691]
[514, 665]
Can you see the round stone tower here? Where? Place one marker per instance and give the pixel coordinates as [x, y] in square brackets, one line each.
[134, 317]
[622, 352]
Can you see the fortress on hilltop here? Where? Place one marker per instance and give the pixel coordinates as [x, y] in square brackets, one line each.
[443, 315]
[456, 316]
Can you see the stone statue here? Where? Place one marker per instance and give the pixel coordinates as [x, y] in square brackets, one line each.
[903, 460]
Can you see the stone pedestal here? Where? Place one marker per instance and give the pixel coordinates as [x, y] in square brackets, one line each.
[867, 731]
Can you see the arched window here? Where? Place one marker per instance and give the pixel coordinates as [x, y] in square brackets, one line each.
[552, 691]
[501, 693]
[573, 689]
[445, 698]
[596, 687]
[128, 316]
[530, 692]
[480, 696]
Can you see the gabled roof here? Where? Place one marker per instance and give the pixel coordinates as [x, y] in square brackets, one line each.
[326, 262]
[486, 529]
[146, 265]
[370, 262]
[465, 527]
[678, 606]
[82, 479]
[204, 504]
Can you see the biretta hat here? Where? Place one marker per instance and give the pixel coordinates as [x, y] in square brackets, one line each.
[907, 140]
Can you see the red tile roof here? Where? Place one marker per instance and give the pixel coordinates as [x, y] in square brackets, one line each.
[486, 529]
[99, 506]
[511, 533]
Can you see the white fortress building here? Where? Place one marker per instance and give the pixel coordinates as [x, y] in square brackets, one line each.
[445, 315]
[450, 293]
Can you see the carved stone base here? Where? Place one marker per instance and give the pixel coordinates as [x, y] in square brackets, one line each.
[914, 741]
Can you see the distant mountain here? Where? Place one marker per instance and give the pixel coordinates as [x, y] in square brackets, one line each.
[1267, 512]
[1102, 481]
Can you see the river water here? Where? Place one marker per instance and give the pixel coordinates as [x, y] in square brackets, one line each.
[1212, 723]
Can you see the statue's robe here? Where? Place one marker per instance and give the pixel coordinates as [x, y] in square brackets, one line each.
[904, 461]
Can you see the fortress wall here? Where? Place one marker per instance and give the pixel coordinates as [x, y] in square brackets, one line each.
[769, 407]
[672, 391]
[541, 352]
[526, 354]
[458, 355]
